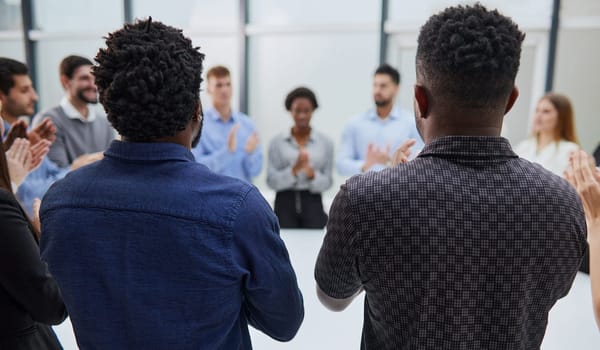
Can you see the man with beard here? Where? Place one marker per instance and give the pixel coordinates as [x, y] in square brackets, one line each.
[18, 98]
[80, 128]
[370, 139]
[152, 250]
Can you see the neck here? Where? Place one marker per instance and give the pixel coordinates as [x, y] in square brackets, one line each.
[80, 106]
[478, 124]
[384, 111]
[544, 139]
[302, 131]
[10, 119]
[224, 111]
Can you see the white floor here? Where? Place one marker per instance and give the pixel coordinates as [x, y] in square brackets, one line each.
[571, 324]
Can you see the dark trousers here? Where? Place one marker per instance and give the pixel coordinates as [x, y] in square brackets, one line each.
[299, 209]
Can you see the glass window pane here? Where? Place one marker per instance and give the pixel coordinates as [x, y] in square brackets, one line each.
[418, 11]
[10, 15]
[50, 53]
[78, 16]
[220, 50]
[189, 14]
[282, 12]
[13, 49]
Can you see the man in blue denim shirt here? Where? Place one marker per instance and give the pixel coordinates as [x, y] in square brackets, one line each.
[152, 250]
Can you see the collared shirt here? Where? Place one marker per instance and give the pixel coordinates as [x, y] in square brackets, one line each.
[152, 250]
[554, 157]
[465, 247]
[73, 113]
[75, 135]
[367, 129]
[213, 151]
[283, 153]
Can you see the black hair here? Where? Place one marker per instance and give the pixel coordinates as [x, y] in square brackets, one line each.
[298, 93]
[149, 79]
[469, 54]
[9, 68]
[389, 70]
[69, 65]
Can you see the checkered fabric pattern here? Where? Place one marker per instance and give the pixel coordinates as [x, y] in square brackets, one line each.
[465, 247]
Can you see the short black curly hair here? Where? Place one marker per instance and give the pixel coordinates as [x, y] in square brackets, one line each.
[148, 79]
[469, 54]
[301, 92]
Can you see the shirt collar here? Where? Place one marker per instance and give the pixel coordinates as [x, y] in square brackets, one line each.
[148, 151]
[289, 137]
[469, 147]
[212, 113]
[394, 114]
[72, 112]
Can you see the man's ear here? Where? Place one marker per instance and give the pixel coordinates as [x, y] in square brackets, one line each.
[64, 81]
[511, 99]
[422, 101]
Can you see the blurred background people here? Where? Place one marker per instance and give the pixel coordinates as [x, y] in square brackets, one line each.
[80, 127]
[300, 166]
[553, 135]
[370, 139]
[30, 300]
[230, 145]
[18, 98]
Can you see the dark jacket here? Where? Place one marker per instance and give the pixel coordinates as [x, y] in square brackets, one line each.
[29, 297]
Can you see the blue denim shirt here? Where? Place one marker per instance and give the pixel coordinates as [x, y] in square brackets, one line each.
[213, 152]
[152, 250]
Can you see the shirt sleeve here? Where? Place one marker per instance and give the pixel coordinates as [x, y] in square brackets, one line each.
[217, 161]
[58, 152]
[22, 273]
[36, 184]
[279, 171]
[347, 164]
[273, 303]
[323, 175]
[336, 271]
[252, 162]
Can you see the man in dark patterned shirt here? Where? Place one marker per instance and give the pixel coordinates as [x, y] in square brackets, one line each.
[467, 246]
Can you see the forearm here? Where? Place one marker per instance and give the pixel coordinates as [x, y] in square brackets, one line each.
[334, 304]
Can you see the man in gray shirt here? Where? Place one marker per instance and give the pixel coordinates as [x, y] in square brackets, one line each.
[80, 129]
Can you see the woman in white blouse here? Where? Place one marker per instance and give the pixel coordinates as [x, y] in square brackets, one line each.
[553, 134]
[300, 166]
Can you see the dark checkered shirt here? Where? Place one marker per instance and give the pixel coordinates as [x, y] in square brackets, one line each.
[465, 247]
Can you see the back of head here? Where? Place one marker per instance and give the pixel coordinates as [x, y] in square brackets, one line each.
[469, 56]
[149, 79]
[565, 128]
[9, 68]
[69, 65]
[390, 71]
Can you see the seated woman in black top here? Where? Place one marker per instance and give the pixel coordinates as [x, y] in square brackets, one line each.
[29, 297]
[300, 166]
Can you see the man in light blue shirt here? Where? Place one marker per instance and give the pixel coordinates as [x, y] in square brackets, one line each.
[370, 139]
[229, 145]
